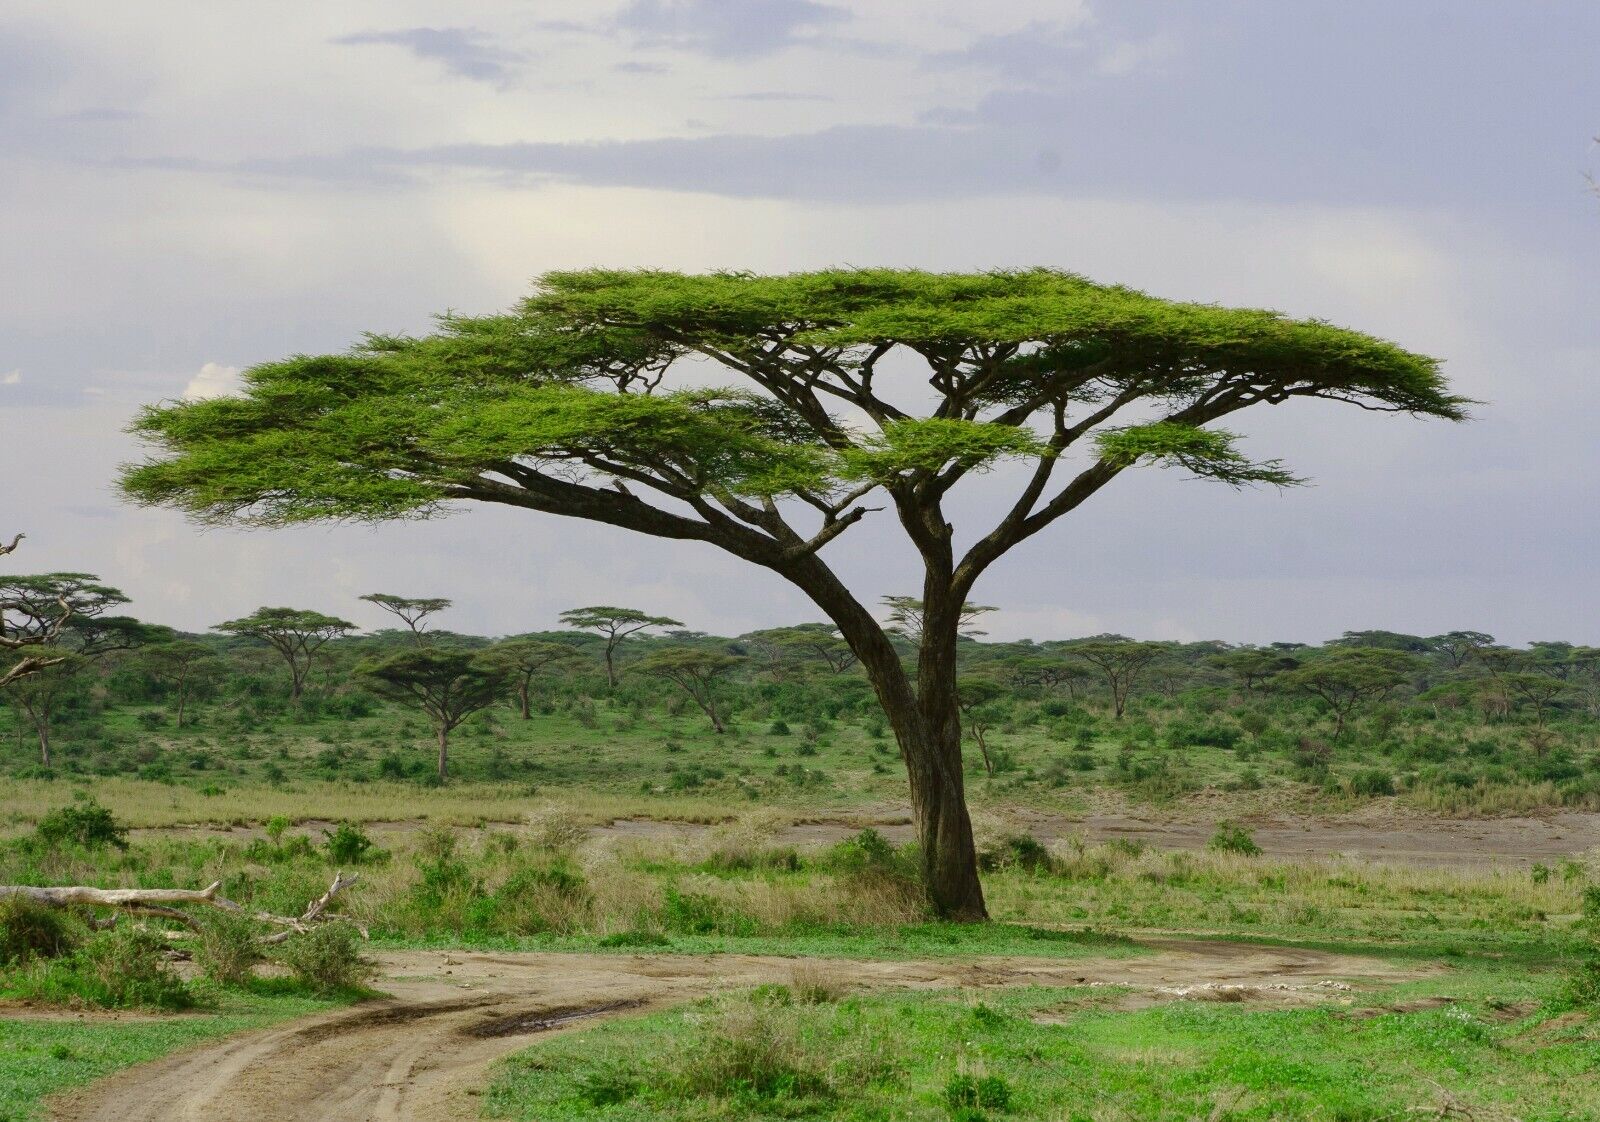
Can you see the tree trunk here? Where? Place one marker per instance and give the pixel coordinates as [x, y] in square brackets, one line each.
[181, 699]
[983, 749]
[44, 743]
[927, 727]
[611, 665]
[524, 700]
[444, 751]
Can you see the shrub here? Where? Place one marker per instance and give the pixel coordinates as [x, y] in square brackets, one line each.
[346, 845]
[29, 929]
[1018, 851]
[967, 1096]
[326, 959]
[751, 1049]
[85, 823]
[128, 966]
[1233, 838]
[779, 727]
[1371, 782]
[1581, 990]
[227, 949]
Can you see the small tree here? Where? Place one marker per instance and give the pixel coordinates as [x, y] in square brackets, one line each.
[974, 695]
[1120, 662]
[180, 664]
[1347, 677]
[524, 658]
[697, 673]
[614, 625]
[448, 685]
[410, 611]
[297, 635]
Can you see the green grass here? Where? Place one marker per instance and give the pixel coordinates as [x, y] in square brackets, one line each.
[904, 1056]
[40, 1057]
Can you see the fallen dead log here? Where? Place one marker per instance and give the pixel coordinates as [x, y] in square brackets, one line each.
[161, 902]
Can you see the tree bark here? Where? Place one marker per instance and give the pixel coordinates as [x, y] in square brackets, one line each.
[524, 700]
[927, 727]
[444, 751]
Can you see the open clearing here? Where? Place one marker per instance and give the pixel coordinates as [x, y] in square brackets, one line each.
[423, 1052]
[1375, 833]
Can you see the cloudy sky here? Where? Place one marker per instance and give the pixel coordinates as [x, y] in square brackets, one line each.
[187, 189]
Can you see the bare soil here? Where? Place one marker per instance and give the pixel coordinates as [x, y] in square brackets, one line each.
[1380, 832]
[422, 1053]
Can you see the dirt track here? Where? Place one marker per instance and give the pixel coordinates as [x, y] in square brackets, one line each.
[423, 1053]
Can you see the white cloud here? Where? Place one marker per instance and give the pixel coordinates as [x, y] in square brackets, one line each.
[214, 380]
[11, 378]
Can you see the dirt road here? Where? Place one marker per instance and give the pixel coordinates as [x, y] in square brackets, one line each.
[423, 1053]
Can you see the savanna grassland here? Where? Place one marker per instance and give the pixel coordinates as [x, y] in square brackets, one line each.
[1449, 977]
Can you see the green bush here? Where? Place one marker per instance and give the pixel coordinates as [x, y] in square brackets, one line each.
[1371, 782]
[127, 966]
[29, 929]
[86, 823]
[1018, 851]
[1233, 838]
[227, 949]
[347, 845]
[966, 1097]
[327, 959]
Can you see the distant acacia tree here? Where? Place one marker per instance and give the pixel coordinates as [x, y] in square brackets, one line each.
[697, 673]
[296, 634]
[525, 658]
[411, 611]
[448, 685]
[1458, 647]
[1346, 678]
[817, 641]
[1120, 662]
[908, 616]
[974, 695]
[179, 664]
[1253, 667]
[858, 390]
[614, 625]
[24, 623]
[70, 609]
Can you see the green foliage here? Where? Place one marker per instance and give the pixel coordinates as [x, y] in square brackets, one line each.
[85, 823]
[30, 930]
[1206, 453]
[347, 845]
[326, 960]
[1233, 838]
[227, 949]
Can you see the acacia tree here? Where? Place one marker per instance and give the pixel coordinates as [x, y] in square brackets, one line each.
[583, 402]
[614, 625]
[1120, 662]
[820, 641]
[411, 611]
[297, 635]
[697, 673]
[448, 685]
[973, 695]
[524, 658]
[1347, 677]
[68, 611]
[179, 664]
[908, 618]
[25, 623]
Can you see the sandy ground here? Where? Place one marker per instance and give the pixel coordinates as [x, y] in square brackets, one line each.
[1378, 833]
[423, 1053]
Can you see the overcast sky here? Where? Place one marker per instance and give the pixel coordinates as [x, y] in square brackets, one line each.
[187, 189]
